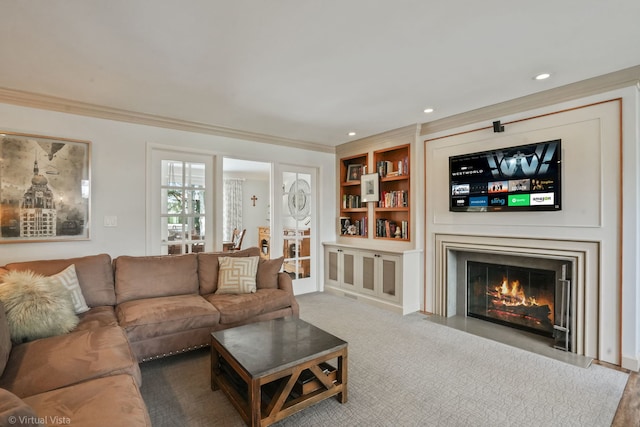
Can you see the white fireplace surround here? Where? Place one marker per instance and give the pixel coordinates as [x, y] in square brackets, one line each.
[583, 257]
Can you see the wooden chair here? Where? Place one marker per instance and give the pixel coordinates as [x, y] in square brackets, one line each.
[237, 239]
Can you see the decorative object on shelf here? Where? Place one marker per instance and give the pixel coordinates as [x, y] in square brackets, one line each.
[45, 186]
[370, 187]
[298, 201]
[354, 172]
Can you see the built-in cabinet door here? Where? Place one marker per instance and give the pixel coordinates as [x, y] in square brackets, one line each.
[390, 276]
[368, 267]
[334, 264]
[348, 276]
[379, 275]
[341, 268]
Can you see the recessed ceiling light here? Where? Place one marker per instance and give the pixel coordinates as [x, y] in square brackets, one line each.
[542, 76]
[352, 134]
[429, 110]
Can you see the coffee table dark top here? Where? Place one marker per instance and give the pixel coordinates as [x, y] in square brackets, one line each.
[266, 347]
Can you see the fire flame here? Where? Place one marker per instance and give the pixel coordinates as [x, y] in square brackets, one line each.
[513, 294]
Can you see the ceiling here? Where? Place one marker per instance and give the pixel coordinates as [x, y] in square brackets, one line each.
[309, 70]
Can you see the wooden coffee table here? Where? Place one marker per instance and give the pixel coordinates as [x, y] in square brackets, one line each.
[272, 369]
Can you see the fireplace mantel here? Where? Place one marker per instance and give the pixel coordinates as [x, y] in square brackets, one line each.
[583, 256]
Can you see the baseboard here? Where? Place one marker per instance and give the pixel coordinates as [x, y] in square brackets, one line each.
[364, 298]
[631, 363]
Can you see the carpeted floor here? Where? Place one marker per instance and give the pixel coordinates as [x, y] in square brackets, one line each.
[405, 371]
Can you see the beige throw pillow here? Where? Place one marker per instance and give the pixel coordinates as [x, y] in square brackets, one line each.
[69, 280]
[237, 275]
[36, 306]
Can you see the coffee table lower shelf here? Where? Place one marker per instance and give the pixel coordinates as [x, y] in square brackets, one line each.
[268, 399]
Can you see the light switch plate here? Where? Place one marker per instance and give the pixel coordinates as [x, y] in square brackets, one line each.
[110, 221]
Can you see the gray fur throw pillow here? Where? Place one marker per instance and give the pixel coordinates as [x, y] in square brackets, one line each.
[36, 306]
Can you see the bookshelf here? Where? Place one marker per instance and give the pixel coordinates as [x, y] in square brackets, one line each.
[392, 213]
[377, 267]
[353, 220]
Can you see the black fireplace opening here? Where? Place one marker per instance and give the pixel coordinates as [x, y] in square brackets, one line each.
[520, 297]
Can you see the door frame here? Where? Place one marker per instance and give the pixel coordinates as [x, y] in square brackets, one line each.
[305, 285]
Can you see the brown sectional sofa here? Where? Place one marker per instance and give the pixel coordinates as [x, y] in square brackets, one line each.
[141, 308]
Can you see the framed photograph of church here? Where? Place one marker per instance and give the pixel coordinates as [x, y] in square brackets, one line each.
[44, 188]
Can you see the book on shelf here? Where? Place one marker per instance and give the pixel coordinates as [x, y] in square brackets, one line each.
[389, 168]
[351, 201]
[394, 199]
[391, 229]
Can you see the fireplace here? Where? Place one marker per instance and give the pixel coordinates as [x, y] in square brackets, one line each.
[568, 269]
[520, 297]
[533, 294]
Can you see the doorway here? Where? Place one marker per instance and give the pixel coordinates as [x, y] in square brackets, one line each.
[246, 200]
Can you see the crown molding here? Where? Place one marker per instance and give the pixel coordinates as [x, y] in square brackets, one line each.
[593, 86]
[406, 134]
[46, 102]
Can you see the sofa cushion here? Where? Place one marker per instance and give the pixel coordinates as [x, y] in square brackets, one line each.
[97, 317]
[237, 308]
[69, 280]
[36, 306]
[51, 363]
[208, 267]
[143, 319]
[15, 411]
[95, 275]
[237, 275]
[109, 401]
[139, 277]
[267, 277]
[5, 339]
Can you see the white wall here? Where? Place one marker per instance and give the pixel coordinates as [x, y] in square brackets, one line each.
[253, 216]
[591, 202]
[119, 177]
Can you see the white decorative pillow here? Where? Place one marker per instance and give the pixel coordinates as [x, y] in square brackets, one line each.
[69, 280]
[36, 306]
[237, 275]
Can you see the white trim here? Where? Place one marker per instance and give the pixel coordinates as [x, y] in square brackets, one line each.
[46, 102]
[571, 92]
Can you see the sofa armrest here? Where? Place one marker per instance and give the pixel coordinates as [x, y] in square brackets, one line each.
[286, 284]
[15, 411]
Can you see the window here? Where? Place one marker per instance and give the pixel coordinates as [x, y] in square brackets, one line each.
[181, 206]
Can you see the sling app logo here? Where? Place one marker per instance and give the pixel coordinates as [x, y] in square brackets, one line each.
[541, 199]
[518, 199]
[498, 201]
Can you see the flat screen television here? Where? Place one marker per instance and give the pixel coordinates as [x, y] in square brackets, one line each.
[522, 178]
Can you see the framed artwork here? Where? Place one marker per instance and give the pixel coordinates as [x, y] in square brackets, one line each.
[354, 172]
[44, 188]
[370, 187]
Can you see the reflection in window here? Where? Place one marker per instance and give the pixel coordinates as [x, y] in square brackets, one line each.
[182, 207]
[296, 199]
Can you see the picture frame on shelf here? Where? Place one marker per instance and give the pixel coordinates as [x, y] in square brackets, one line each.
[345, 222]
[45, 187]
[370, 187]
[354, 172]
